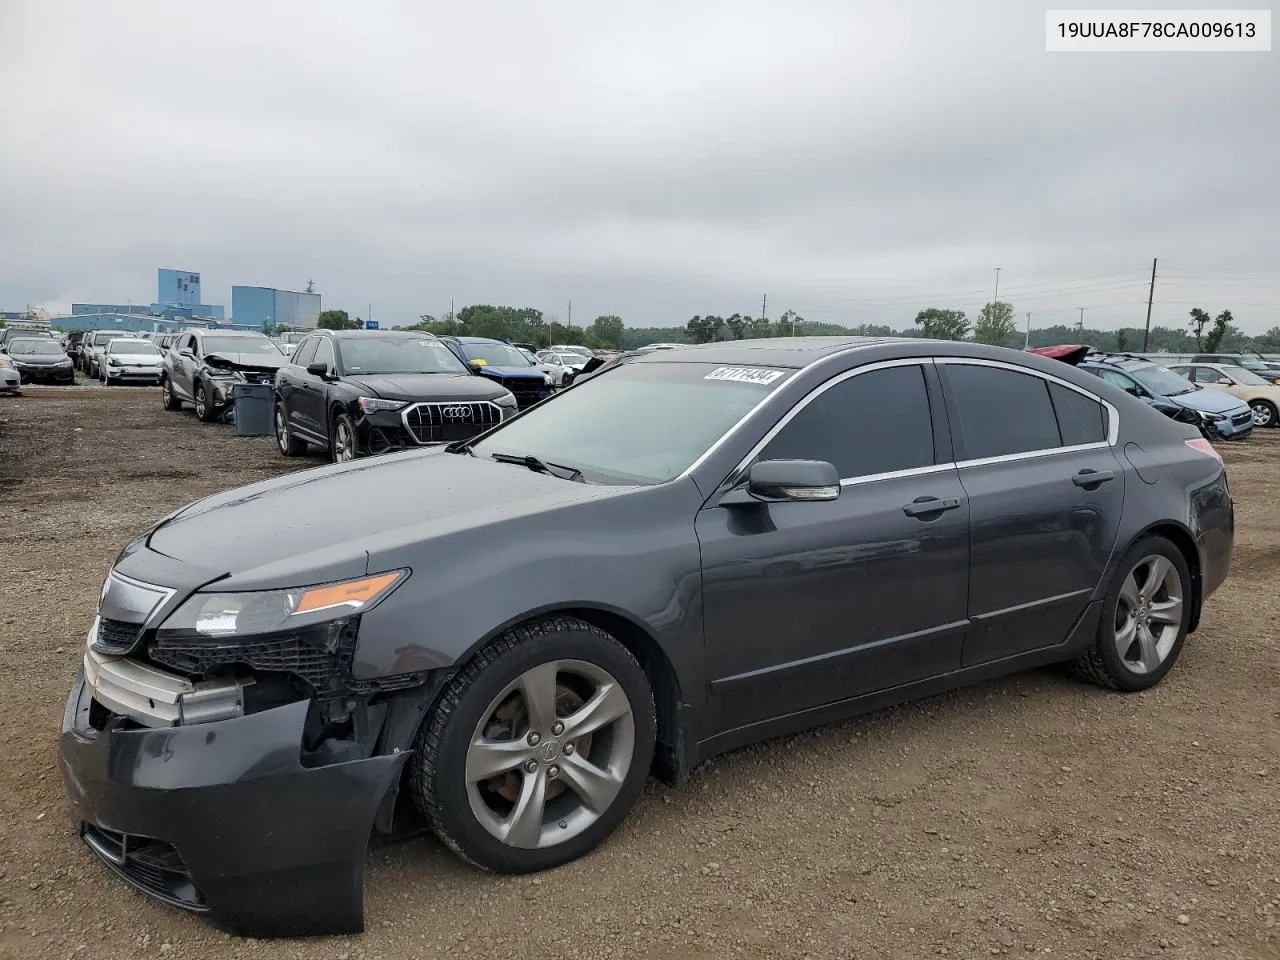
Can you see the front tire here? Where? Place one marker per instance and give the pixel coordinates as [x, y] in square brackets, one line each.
[342, 439]
[204, 409]
[1145, 617]
[1265, 414]
[537, 749]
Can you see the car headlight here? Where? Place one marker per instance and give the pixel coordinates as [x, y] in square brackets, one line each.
[112, 362]
[221, 372]
[375, 405]
[63, 363]
[506, 400]
[1211, 417]
[546, 378]
[217, 615]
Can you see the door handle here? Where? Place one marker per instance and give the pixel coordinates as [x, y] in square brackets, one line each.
[922, 506]
[1091, 478]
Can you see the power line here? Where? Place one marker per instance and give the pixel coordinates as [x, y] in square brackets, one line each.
[1068, 284]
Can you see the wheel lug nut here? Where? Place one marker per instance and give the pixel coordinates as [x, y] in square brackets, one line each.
[557, 728]
[531, 766]
[534, 739]
[553, 771]
[568, 748]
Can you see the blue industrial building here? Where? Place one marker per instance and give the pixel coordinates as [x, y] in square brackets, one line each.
[271, 309]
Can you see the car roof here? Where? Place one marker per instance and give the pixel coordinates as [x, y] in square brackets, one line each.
[378, 334]
[774, 351]
[248, 334]
[478, 340]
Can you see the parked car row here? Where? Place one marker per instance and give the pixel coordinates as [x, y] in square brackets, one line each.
[354, 393]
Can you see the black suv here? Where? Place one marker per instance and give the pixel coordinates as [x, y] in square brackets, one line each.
[373, 391]
[202, 366]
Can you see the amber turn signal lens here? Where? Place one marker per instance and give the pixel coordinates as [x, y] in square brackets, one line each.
[355, 593]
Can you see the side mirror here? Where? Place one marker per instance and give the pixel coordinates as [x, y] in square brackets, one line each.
[475, 366]
[318, 369]
[186, 353]
[779, 481]
[1223, 382]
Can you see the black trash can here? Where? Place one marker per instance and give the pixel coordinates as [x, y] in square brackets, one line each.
[254, 405]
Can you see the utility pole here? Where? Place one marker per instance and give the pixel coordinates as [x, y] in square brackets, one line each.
[1080, 325]
[451, 316]
[1151, 293]
[1027, 345]
[997, 296]
[569, 316]
[764, 303]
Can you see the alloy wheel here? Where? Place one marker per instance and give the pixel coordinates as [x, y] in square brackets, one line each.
[282, 431]
[1148, 614]
[201, 402]
[344, 443]
[550, 753]
[1262, 414]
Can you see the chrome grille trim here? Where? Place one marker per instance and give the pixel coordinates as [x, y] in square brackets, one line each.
[431, 416]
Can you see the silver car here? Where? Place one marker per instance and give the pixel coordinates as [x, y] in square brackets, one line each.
[562, 365]
[10, 381]
[129, 360]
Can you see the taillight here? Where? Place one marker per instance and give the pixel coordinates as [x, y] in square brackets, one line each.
[1201, 445]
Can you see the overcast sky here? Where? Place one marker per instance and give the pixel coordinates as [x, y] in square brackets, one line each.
[854, 161]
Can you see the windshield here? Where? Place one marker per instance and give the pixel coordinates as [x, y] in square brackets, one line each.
[639, 423]
[496, 354]
[398, 355]
[99, 339]
[1161, 381]
[1248, 378]
[132, 346]
[36, 348]
[241, 345]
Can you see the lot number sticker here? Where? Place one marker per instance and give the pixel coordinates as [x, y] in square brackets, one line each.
[744, 375]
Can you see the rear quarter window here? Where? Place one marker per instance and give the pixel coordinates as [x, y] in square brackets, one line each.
[1080, 419]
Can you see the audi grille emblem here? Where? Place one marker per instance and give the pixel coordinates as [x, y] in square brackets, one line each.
[456, 413]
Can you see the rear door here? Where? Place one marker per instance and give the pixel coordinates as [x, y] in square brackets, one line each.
[291, 383]
[184, 366]
[811, 603]
[1045, 488]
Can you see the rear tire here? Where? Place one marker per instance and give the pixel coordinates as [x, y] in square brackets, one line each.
[1265, 414]
[1145, 617]
[167, 398]
[582, 783]
[290, 446]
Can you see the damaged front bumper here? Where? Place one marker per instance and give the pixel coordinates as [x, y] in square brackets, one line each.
[227, 818]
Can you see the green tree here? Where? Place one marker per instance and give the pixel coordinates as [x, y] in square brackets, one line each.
[738, 325]
[607, 331]
[337, 320]
[702, 329]
[1199, 320]
[1122, 340]
[939, 324]
[1221, 327]
[521, 324]
[791, 324]
[995, 324]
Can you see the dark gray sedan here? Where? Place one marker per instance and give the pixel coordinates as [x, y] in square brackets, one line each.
[688, 551]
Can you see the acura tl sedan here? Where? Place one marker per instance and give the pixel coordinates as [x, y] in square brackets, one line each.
[688, 551]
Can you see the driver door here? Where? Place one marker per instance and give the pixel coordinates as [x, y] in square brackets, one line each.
[811, 603]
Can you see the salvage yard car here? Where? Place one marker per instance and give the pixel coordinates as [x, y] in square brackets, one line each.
[10, 380]
[40, 359]
[129, 360]
[505, 365]
[93, 343]
[374, 391]
[690, 551]
[1262, 395]
[202, 366]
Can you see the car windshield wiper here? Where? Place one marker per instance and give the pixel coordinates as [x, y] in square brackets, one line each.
[540, 466]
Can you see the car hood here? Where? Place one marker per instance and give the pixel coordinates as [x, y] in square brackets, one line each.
[138, 359]
[38, 360]
[425, 386]
[321, 524]
[246, 361]
[1208, 400]
[531, 373]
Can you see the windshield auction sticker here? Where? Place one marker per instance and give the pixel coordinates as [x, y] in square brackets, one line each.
[745, 375]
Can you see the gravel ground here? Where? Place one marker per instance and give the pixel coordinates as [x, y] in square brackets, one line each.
[1032, 815]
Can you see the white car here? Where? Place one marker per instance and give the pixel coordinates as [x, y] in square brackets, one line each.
[1262, 396]
[563, 366]
[91, 347]
[129, 360]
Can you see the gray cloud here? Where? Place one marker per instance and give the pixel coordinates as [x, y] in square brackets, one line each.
[653, 161]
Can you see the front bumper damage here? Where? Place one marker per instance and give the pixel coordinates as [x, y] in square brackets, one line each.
[231, 818]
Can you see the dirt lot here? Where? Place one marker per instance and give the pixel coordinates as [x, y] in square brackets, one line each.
[1034, 815]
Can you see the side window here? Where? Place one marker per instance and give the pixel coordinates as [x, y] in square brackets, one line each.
[1119, 380]
[846, 425]
[1206, 375]
[324, 352]
[1001, 412]
[1080, 419]
[306, 351]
